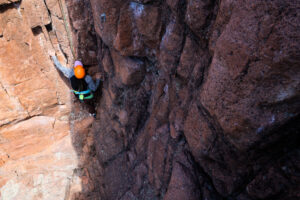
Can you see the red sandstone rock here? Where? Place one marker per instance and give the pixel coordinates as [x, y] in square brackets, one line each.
[188, 58]
[174, 5]
[220, 78]
[239, 68]
[107, 62]
[37, 157]
[84, 38]
[129, 71]
[181, 185]
[2, 2]
[197, 15]
[157, 151]
[196, 130]
[125, 40]
[267, 185]
[106, 14]
[148, 23]
[200, 98]
[131, 28]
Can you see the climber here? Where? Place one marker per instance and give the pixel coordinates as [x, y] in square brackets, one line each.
[82, 84]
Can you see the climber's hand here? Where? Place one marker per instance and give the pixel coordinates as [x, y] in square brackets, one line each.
[54, 58]
[98, 76]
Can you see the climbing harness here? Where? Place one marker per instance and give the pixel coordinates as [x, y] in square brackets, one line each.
[82, 93]
[67, 27]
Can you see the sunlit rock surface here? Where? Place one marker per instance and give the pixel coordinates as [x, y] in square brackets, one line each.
[37, 156]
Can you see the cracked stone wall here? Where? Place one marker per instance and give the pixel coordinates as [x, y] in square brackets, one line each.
[200, 99]
[37, 157]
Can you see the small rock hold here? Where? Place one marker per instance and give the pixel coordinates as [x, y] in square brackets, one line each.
[123, 117]
[130, 71]
[174, 134]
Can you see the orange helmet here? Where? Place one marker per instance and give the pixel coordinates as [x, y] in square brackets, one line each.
[79, 71]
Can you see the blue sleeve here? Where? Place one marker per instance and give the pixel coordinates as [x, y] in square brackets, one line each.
[66, 71]
[91, 85]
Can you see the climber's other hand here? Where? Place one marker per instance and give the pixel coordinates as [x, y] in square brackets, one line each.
[53, 57]
[98, 76]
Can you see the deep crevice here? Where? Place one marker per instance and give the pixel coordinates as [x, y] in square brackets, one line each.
[12, 5]
[37, 30]
[49, 27]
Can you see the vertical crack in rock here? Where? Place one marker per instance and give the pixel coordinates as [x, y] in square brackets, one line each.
[4, 89]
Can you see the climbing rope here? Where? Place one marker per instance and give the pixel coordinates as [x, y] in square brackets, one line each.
[67, 27]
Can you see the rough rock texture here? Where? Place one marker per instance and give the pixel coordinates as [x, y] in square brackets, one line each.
[84, 35]
[37, 157]
[200, 100]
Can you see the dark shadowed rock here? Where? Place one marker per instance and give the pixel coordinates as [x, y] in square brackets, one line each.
[157, 157]
[129, 71]
[116, 180]
[198, 133]
[184, 183]
[197, 15]
[200, 100]
[251, 90]
[83, 32]
[181, 185]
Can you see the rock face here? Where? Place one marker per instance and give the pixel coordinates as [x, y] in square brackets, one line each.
[37, 157]
[200, 99]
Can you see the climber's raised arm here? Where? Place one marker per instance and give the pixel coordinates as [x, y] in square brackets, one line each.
[91, 85]
[66, 71]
